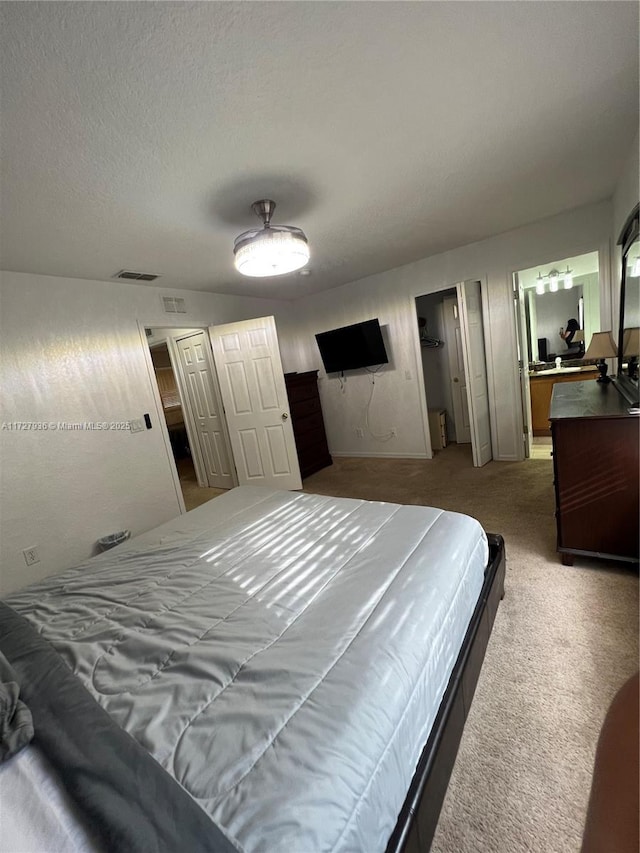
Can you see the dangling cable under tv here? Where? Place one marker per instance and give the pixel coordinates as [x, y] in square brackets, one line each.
[351, 347]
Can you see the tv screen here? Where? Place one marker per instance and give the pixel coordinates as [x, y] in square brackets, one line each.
[350, 347]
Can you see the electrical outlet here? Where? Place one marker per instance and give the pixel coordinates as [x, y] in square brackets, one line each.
[136, 424]
[407, 375]
[393, 431]
[359, 432]
[31, 556]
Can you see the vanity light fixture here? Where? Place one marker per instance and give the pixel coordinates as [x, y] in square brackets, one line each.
[272, 249]
[554, 277]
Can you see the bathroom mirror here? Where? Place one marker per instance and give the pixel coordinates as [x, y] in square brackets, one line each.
[629, 331]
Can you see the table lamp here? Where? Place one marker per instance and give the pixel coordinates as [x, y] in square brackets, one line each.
[602, 346]
[631, 349]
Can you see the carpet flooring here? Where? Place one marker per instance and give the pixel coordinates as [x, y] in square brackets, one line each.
[193, 494]
[564, 640]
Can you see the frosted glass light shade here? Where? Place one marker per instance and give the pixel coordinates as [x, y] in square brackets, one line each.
[568, 281]
[272, 252]
[540, 287]
[553, 283]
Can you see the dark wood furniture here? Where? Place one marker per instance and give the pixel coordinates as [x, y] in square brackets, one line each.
[307, 421]
[418, 818]
[541, 387]
[595, 461]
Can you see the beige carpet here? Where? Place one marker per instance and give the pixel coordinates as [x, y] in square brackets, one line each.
[564, 640]
[193, 494]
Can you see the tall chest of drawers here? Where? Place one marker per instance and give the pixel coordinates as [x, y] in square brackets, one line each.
[307, 421]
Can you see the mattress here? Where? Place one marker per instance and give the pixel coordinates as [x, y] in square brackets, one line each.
[281, 655]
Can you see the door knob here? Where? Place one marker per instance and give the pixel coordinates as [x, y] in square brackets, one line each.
[455, 379]
[284, 416]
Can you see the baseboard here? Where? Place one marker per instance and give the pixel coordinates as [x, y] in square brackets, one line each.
[379, 455]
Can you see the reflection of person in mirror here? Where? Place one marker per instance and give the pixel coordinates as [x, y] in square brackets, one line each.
[574, 350]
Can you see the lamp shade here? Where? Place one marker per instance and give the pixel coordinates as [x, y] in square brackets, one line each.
[602, 345]
[631, 342]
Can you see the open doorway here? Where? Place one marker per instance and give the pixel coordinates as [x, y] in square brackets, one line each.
[557, 311]
[454, 370]
[187, 386]
[443, 371]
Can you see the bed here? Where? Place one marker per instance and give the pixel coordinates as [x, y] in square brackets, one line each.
[274, 671]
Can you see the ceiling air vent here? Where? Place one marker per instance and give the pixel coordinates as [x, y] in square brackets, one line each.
[173, 305]
[129, 275]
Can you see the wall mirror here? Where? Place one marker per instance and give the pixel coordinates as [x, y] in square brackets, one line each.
[629, 330]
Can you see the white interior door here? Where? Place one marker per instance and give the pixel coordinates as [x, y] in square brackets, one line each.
[523, 364]
[457, 373]
[470, 309]
[252, 384]
[205, 407]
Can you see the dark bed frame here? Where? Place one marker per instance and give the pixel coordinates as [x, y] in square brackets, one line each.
[418, 817]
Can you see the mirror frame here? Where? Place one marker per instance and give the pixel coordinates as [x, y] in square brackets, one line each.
[630, 232]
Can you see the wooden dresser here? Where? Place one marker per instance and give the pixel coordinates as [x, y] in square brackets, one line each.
[595, 462]
[307, 421]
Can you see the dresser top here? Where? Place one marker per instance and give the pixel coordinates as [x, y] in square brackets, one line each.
[590, 399]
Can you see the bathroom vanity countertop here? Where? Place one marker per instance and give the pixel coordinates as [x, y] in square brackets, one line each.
[561, 371]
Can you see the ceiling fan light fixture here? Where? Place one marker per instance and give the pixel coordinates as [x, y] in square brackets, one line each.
[271, 250]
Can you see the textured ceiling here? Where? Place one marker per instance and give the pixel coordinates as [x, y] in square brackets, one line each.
[137, 134]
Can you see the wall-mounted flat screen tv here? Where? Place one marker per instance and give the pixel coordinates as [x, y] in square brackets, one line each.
[350, 347]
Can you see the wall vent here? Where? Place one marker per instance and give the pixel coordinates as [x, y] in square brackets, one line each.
[130, 275]
[174, 305]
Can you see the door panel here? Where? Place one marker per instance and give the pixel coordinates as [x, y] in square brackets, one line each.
[524, 357]
[255, 397]
[203, 400]
[470, 308]
[457, 377]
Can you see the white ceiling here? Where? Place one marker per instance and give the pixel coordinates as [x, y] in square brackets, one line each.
[137, 135]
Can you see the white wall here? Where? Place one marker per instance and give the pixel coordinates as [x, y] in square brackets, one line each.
[72, 352]
[627, 192]
[389, 296]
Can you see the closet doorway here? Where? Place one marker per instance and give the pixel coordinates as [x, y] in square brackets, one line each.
[188, 388]
[452, 359]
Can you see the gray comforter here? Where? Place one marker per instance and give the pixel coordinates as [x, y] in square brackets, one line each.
[282, 659]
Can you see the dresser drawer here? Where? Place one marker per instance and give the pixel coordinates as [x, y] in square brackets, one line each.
[310, 438]
[304, 408]
[298, 391]
[312, 422]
